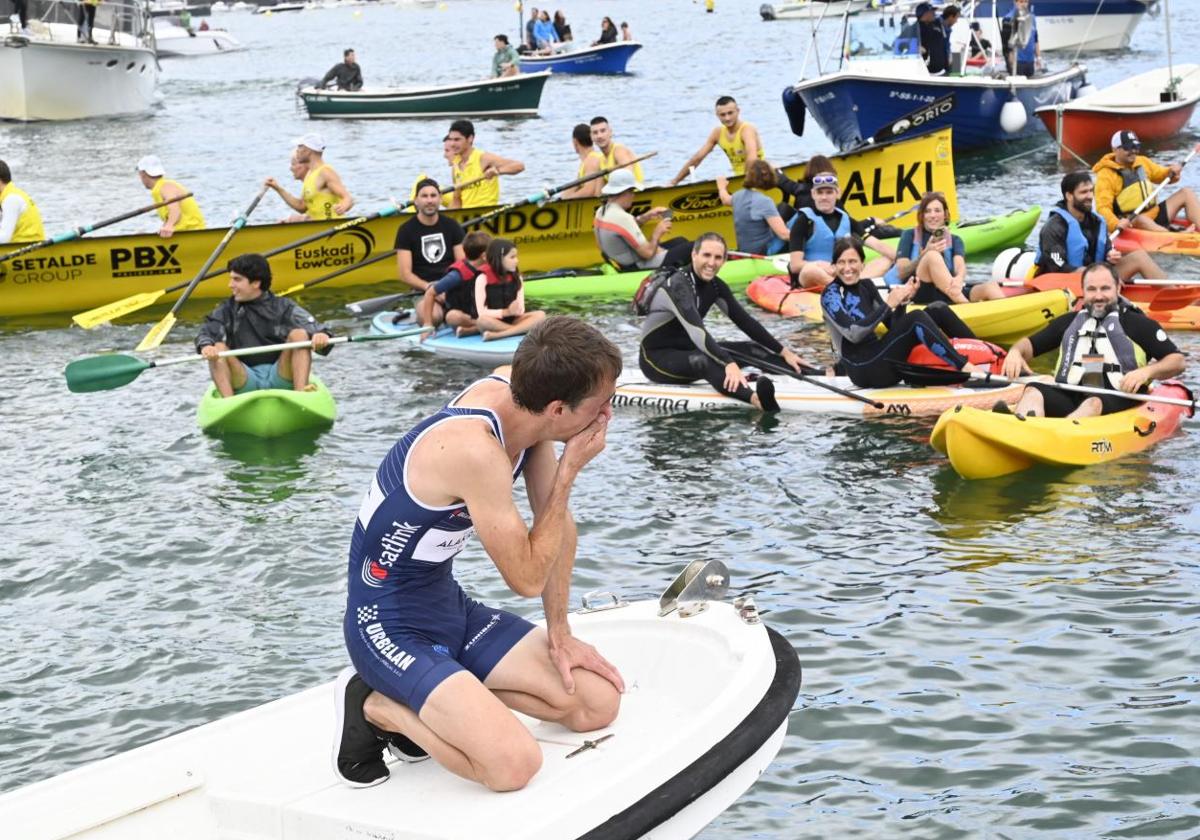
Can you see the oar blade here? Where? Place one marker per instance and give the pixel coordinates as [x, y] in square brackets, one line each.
[157, 333]
[103, 373]
[111, 311]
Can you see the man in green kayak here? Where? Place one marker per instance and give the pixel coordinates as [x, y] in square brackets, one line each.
[252, 316]
[1107, 344]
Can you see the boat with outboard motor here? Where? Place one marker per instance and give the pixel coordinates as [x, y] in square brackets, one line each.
[505, 96]
[600, 59]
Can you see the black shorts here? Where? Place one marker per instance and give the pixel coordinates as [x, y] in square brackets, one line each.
[1162, 216]
[1060, 403]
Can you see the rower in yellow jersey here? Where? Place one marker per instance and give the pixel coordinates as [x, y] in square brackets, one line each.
[738, 139]
[470, 163]
[20, 220]
[182, 215]
[323, 193]
[614, 153]
[298, 170]
[591, 161]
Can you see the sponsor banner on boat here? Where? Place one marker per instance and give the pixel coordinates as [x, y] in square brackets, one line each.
[81, 274]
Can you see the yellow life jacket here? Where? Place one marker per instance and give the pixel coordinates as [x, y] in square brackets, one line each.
[735, 148]
[1136, 188]
[485, 193]
[29, 223]
[592, 154]
[318, 204]
[610, 162]
[190, 217]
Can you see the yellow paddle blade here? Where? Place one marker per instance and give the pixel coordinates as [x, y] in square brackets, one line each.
[298, 287]
[157, 333]
[116, 309]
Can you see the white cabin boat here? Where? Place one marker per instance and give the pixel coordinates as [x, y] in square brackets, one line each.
[175, 41]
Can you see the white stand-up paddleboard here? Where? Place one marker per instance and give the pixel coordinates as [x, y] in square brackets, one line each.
[709, 689]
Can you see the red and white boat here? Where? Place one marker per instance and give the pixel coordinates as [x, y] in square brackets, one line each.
[1087, 123]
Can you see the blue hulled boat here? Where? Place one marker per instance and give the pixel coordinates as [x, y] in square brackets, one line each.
[601, 59]
[880, 98]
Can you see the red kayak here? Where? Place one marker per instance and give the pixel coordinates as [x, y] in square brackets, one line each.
[1145, 296]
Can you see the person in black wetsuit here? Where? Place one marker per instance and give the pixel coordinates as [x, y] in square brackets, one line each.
[675, 346]
[853, 310]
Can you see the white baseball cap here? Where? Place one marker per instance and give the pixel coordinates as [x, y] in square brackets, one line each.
[619, 182]
[312, 141]
[152, 166]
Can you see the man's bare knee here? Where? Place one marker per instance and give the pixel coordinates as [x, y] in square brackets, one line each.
[598, 706]
[513, 769]
[297, 335]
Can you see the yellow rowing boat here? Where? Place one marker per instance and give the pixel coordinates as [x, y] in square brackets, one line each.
[85, 273]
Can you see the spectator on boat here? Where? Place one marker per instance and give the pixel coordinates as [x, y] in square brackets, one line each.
[615, 154]
[608, 32]
[979, 44]
[676, 348]
[179, 215]
[544, 35]
[626, 33]
[591, 161]
[814, 231]
[737, 138]
[619, 233]
[1125, 178]
[325, 196]
[756, 220]
[429, 243]
[470, 164]
[20, 219]
[1075, 235]
[21, 10]
[500, 295]
[853, 308]
[253, 316]
[947, 20]
[298, 170]
[530, 25]
[452, 298]
[86, 23]
[1019, 35]
[505, 61]
[346, 75]
[562, 27]
[1107, 344]
[933, 40]
[937, 258]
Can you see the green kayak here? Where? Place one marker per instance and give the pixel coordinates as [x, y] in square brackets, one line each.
[268, 413]
[980, 238]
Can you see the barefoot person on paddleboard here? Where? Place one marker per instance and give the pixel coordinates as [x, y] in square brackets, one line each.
[436, 673]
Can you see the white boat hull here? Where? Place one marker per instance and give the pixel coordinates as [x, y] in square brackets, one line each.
[55, 80]
[817, 10]
[705, 713]
[1073, 32]
[176, 43]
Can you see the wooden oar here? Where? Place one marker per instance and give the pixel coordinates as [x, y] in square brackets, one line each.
[159, 331]
[783, 370]
[86, 229]
[1150, 198]
[104, 373]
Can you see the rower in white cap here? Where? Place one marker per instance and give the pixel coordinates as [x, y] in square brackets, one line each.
[181, 215]
[324, 194]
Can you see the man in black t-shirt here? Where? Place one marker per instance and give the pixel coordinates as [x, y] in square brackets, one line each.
[1108, 343]
[428, 243]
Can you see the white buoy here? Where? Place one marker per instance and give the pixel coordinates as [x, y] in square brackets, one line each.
[1013, 116]
[1002, 265]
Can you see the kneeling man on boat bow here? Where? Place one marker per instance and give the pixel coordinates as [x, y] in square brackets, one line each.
[1106, 344]
[254, 317]
[434, 671]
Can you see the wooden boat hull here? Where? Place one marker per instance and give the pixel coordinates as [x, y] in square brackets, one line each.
[509, 96]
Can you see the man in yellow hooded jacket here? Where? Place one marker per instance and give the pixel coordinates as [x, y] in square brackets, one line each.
[1125, 178]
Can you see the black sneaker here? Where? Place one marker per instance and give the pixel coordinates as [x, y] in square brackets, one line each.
[765, 389]
[1001, 407]
[404, 748]
[357, 749]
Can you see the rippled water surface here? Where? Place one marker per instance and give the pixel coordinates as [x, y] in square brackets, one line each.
[1007, 658]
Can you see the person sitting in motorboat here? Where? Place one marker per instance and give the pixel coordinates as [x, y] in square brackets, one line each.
[1125, 178]
[619, 233]
[608, 32]
[346, 74]
[544, 35]
[452, 298]
[20, 219]
[500, 295]
[1109, 343]
[853, 307]
[815, 230]
[676, 348]
[933, 40]
[1075, 235]
[253, 316]
[756, 221]
[937, 258]
[179, 215]
[1019, 35]
[505, 61]
[562, 28]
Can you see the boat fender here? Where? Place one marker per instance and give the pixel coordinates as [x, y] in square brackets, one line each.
[793, 106]
[766, 11]
[1014, 263]
[1013, 116]
[982, 354]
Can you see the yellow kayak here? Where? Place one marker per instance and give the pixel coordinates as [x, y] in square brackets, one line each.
[984, 444]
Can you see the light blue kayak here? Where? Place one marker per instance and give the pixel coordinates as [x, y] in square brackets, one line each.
[444, 342]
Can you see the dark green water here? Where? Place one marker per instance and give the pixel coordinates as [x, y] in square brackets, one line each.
[1009, 658]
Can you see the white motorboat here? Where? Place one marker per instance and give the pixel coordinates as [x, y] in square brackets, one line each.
[1066, 24]
[709, 692]
[175, 41]
[812, 9]
[48, 75]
